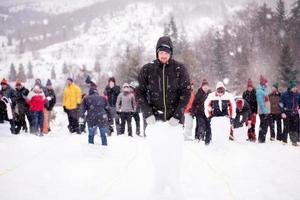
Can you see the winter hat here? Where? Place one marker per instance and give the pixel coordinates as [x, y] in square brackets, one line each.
[204, 82]
[292, 83]
[220, 85]
[88, 80]
[49, 83]
[126, 87]
[250, 83]
[93, 91]
[18, 83]
[164, 44]
[4, 81]
[70, 79]
[239, 104]
[263, 80]
[38, 81]
[276, 85]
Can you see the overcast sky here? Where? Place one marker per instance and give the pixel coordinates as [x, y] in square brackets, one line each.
[241, 2]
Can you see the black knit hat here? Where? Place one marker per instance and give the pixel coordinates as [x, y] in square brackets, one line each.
[164, 44]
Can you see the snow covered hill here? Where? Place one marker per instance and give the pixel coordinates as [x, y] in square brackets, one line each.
[63, 166]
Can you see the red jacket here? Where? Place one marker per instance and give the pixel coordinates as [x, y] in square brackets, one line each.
[190, 104]
[36, 101]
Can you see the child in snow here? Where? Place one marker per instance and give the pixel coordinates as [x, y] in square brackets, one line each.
[126, 106]
[36, 100]
[250, 96]
[219, 104]
[243, 114]
[98, 115]
[203, 129]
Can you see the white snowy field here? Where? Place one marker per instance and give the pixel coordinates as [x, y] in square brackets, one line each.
[64, 166]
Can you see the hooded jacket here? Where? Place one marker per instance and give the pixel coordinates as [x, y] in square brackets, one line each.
[97, 109]
[164, 89]
[72, 96]
[289, 103]
[262, 100]
[250, 97]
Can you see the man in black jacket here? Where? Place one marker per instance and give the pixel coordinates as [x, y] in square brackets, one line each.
[250, 96]
[203, 129]
[164, 86]
[23, 108]
[112, 92]
[163, 93]
[52, 101]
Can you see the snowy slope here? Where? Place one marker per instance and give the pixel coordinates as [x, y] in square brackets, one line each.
[52, 6]
[63, 166]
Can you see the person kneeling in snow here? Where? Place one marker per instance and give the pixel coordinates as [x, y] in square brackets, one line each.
[163, 93]
[98, 115]
[220, 104]
[243, 114]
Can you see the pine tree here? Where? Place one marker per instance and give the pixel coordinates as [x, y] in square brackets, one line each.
[286, 66]
[97, 67]
[9, 40]
[281, 21]
[220, 61]
[21, 73]
[12, 73]
[53, 74]
[294, 30]
[29, 72]
[171, 30]
[65, 69]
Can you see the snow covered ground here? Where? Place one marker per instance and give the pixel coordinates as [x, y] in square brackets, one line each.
[63, 166]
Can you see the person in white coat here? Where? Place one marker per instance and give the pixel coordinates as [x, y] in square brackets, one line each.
[220, 104]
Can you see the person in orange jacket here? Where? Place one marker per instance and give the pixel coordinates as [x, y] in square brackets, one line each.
[188, 118]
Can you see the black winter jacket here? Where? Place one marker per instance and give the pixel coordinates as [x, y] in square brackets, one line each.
[164, 90]
[112, 95]
[52, 102]
[250, 97]
[198, 104]
[21, 94]
[97, 110]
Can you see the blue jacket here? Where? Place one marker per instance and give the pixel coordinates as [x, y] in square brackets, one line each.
[261, 94]
[289, 103]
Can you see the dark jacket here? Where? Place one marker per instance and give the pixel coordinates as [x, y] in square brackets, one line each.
[244, 113]
[198, 104]
[112, 95]
[9, 93]
[52, 102]
[289, 103]
[274, 99]
[97, 109]
[250, 97]
[164, 89]
[21, 95]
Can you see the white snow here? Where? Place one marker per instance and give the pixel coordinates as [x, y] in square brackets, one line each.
[64, 166]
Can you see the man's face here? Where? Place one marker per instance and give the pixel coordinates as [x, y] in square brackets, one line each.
[111, 84]
[18, 87]
[294, 89]
[274, 89]
[205, 88]
[250, 89]
[163, 57]
[220, 91]
[69, 82]
[4, 86]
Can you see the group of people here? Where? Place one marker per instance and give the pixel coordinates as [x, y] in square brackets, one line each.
[19, 103]
[162, 92]
[272, 108]
[114, 108]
